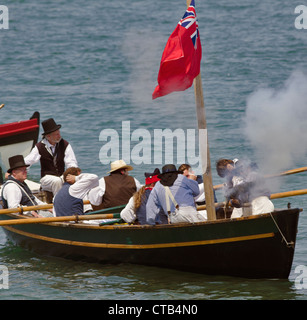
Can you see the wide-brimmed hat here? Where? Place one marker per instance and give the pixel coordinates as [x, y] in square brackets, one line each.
[152, 177]
[167, 169]
[119, 164]
[169, 175]
[49, 126]
[16, 162]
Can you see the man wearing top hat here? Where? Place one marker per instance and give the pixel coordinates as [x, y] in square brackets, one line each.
[54, 154]
[117, 188]
[15, 191]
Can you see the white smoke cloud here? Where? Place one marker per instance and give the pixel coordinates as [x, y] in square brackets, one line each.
[276, 124]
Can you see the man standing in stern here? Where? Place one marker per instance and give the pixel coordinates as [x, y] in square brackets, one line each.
[54, 154]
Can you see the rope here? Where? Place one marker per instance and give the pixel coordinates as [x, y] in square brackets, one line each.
[289, 244]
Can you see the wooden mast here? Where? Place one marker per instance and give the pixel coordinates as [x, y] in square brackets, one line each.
[204, 145]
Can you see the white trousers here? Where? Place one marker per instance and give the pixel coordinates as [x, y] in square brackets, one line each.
[259, 205]
[186, 214]
[262, 205]
[51, 183]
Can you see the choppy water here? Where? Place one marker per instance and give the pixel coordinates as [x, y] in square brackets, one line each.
[92, 65]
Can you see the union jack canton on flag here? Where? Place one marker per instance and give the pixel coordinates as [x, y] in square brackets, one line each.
[188, 19]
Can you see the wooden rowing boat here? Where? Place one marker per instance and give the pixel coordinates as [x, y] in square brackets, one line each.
[259, 246]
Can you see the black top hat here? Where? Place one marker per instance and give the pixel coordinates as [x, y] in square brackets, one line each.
[16, 162]
[49, 126]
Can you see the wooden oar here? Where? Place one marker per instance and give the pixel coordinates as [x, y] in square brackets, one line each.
[26, 209]
[58, 219]
[111, 215]
[1, 106]
[31, 208]
[97, 215]
[284, 173]
[273, 196]
[288, 194]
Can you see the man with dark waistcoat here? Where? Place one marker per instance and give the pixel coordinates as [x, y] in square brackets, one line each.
[15, 192]
[117, 188]
[54, 154]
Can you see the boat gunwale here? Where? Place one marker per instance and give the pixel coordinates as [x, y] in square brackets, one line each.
[84, 225]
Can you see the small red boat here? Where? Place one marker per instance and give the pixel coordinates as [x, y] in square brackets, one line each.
[18, 138]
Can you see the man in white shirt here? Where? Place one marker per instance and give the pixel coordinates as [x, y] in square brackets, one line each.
[77, 187]
[55, 154]
[117, 188]
[15, 191]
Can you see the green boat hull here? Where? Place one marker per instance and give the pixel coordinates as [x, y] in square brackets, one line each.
[254, 247]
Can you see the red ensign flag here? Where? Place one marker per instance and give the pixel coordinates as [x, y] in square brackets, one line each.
[180, 62]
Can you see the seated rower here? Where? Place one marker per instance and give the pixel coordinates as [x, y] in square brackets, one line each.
[187, 171]
[174, 193]
[135, 210]
[77, 187]
[250, 188]
[226, 169]
[16, 193]
[117, 188]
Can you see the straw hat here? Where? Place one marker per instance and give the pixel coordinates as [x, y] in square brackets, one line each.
[119, 164]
